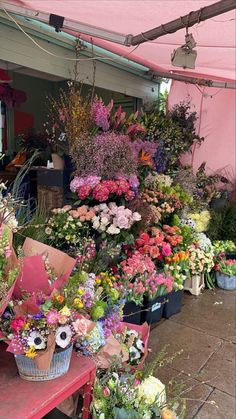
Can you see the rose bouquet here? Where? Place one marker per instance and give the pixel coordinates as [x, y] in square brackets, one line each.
[111, 220]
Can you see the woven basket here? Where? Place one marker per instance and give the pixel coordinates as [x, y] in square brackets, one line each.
[59, 366]
[226, 282]
[50, 197]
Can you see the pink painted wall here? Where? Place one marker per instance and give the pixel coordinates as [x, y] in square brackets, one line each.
[216, 110]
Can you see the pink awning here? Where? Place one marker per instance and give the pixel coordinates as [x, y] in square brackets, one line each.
[215, 37]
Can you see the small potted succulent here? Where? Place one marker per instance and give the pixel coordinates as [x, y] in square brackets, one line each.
[226, 274]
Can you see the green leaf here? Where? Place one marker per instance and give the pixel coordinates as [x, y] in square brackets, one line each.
[122, 413]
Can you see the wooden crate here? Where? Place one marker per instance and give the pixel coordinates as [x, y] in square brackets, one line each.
[50, 197]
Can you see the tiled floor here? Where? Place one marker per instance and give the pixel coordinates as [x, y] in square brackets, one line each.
[206, 332]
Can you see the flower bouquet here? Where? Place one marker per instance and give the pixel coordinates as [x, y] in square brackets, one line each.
[200, 264]
[122, 395]
[226, 274]
[50, 268]
[134, 338]
[39, 333]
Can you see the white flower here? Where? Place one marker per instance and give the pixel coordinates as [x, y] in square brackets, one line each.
[134, 353]
[105, 221]
[63, 336]
[48, 230]
[140, 345]
[112, 229]
[132, 332]
[152, 390]
[136, 216]
[37, 340]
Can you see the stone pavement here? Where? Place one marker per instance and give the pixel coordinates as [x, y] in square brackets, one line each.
[205, 330]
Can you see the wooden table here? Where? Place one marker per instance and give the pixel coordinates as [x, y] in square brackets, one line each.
[20, 399]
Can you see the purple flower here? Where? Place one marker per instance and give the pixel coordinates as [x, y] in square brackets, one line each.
[100, 114]
[37, 316]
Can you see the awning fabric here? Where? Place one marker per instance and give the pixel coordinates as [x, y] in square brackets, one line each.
[216, 110]
[215, 37]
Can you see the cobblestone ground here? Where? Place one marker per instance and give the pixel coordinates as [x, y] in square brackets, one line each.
[205, 330]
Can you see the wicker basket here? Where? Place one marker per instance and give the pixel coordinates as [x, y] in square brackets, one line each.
[226, 282]
[50, 197]
[59, 366]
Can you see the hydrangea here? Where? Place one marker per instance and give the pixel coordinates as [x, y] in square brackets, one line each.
[152, 390]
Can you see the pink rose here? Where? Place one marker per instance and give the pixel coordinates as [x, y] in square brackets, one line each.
[83, 326]
[121, 221]
[17, 324]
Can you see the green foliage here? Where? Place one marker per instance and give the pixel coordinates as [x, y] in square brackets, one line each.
[223, 223]
[174, 130]
[34, 228]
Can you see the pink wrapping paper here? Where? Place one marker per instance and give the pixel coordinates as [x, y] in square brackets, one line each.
[34, 277]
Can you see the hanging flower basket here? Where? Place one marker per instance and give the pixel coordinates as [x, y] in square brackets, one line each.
[59, 366]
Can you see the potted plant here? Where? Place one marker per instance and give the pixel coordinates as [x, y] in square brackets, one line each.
[39, 333]
[226, 274]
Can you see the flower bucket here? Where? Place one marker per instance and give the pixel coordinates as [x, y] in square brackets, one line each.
[153, 309]
[173, 303]
[59, 366]
[132, 313]
[195, 284]
[226, 282]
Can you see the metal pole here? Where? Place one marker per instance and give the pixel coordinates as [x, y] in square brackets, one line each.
[193, 80]
[188, 20]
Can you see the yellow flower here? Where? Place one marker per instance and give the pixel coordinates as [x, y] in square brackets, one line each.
[80, 291]
[31, 353]
[78, 303]
[26, 326]
[65, 311]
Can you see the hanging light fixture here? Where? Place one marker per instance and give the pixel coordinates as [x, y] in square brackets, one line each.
[185, 56]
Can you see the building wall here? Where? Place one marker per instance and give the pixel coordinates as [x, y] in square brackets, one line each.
[216, 110]
[16, 48]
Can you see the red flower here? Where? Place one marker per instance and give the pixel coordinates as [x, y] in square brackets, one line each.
[17, 324]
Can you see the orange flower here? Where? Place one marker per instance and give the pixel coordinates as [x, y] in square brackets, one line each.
[60, 299]
[145, 159]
